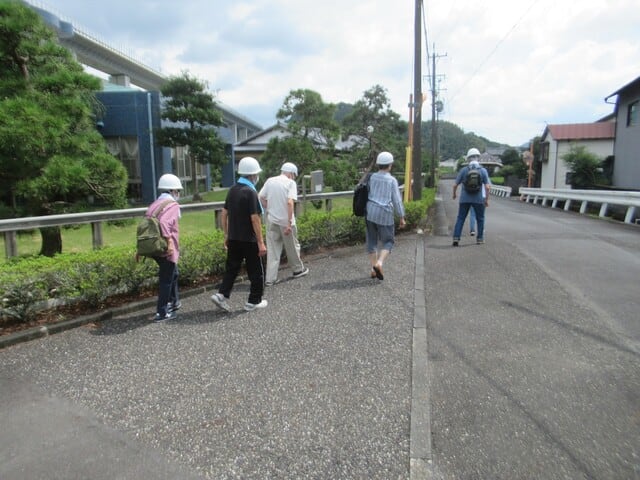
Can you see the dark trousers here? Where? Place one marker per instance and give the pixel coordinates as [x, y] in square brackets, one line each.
[237, 252]
[167, 284]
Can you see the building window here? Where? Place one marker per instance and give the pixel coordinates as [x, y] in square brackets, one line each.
[126, 150]
[633, 114]
[544, 154]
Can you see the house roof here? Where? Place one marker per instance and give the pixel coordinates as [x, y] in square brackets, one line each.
[628, 85]
[259, 140]
[581, 131]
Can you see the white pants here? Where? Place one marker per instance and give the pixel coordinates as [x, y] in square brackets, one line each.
[276, 239]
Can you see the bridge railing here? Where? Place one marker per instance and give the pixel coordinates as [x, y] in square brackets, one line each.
[604, 198]
[10, 227]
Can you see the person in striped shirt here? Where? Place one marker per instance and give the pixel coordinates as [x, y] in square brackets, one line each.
[384, 201]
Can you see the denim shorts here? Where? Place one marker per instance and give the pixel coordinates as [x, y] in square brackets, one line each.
[380, 234]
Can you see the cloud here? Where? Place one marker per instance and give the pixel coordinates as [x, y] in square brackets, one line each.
[504, 69]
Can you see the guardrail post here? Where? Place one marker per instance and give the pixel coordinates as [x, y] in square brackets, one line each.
[328, 204]
[217, 215]
[10, 244]
[554, 203]
[603, 209]
[583, 207]
[96, 234]
[631, 211]
[567, 205]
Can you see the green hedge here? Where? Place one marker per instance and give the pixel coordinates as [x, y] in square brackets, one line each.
[29, 284]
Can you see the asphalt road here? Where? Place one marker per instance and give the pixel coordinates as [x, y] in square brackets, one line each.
[526, 368]
[534, 342]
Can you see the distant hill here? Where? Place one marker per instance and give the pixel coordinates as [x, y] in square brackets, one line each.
[453, 141]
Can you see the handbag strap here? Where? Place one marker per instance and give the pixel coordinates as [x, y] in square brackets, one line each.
[366, 172]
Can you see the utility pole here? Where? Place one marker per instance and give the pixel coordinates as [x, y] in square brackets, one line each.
[436, 107]
[416, 164]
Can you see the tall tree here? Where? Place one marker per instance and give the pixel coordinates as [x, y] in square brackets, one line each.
[313, 131]
[194, 116]
[373, 119]
[52, 159]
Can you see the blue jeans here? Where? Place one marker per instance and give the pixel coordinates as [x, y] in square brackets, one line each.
[167, 284]
[463, 210]
[472, 220]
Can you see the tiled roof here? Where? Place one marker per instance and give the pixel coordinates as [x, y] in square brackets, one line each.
[582, 131]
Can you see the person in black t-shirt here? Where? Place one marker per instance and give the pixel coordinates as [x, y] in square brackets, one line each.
[242, 225]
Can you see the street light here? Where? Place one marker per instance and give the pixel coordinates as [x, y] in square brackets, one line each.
[370, 138]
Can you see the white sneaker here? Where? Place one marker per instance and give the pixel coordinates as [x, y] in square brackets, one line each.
[301, 273]
[252, 306]
[221, 301]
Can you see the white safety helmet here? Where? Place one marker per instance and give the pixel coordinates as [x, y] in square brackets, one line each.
[289, 167]
[248, 166]
[384, 158]
[473, 152]
[168, 182]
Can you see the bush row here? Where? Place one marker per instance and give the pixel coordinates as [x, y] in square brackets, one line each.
[33, 283]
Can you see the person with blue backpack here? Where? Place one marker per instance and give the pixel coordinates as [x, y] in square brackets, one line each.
[474, 179]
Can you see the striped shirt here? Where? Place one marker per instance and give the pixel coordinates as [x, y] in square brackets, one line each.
[384, 198]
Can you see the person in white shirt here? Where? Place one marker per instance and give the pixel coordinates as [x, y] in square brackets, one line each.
[278, 196]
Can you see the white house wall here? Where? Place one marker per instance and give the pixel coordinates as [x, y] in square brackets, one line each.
[554, 172]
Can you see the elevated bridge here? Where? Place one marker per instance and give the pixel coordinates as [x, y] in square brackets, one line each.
[121, 68]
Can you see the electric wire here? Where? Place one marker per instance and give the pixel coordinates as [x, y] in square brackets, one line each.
[500, 42]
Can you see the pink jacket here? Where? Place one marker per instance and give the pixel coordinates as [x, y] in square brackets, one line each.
[168, 218]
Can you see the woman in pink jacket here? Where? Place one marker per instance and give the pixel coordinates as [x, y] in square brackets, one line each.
[168, 298]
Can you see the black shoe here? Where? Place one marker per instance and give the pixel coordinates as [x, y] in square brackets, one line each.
[167, 316]
[455, 243]
[378, 270]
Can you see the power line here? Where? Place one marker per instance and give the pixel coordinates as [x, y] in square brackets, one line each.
[515, 25]
[426, 37]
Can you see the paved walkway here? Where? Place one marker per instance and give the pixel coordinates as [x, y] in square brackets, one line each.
[317, 385]
[529, 369]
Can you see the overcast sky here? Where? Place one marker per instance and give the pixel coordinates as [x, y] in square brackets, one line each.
[505, 69]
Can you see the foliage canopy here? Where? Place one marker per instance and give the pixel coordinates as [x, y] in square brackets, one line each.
[193, 115]
[52, 159]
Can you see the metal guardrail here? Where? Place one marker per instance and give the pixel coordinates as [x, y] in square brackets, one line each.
[500, 191]
[10, 227]
[605, 198]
